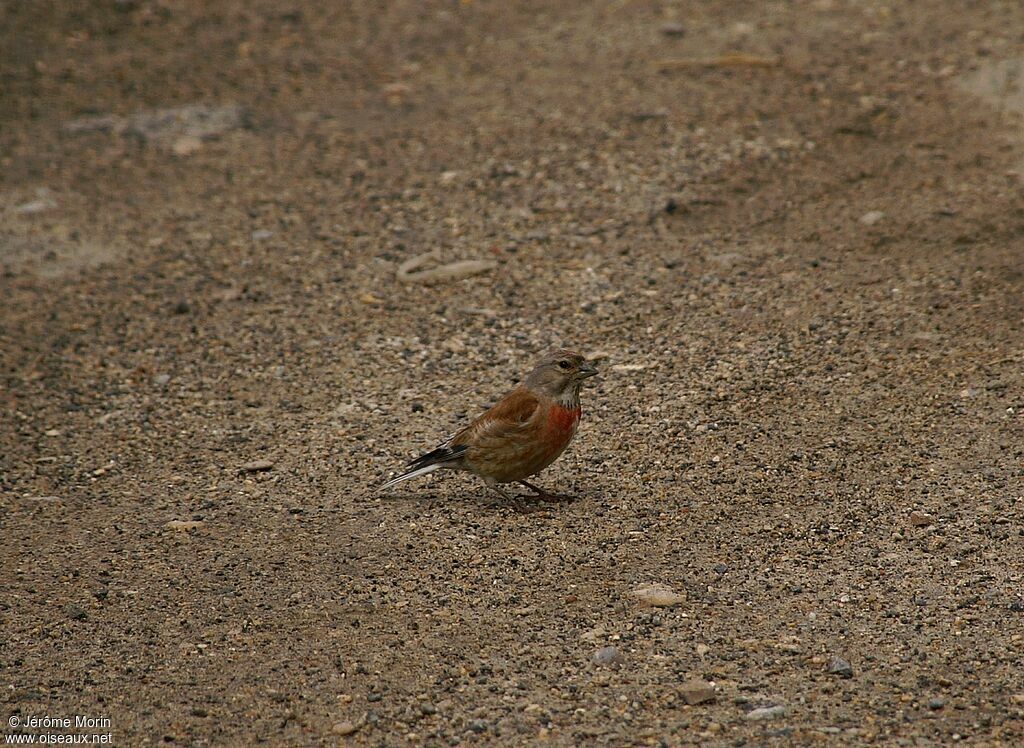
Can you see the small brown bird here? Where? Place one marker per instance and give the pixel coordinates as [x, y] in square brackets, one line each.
[519, 436]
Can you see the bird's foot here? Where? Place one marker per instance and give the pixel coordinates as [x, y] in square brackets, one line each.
[518, 503]
[541, 495]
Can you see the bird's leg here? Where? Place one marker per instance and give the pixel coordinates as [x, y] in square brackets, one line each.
[543, 495]
[514, 501]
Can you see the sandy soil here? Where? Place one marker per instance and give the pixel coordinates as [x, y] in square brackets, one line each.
[794, 234]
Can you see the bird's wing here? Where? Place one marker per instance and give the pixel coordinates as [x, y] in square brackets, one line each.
[509, 418]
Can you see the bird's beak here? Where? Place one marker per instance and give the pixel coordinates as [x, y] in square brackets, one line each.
[587, 370]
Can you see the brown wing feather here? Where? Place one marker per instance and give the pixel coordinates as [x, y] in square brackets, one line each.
[503, 420]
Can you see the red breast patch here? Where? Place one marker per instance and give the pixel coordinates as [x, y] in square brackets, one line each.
[565, 420]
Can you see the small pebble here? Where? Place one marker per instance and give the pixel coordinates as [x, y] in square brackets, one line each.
[607, 656]
[697, 691]
[935, 704]
[673, 29]
[872, 217]
[658, 595]
[186, 145]
[839, 666]
[765, 713]
[478, 726]
[921, 519]
[344, 728]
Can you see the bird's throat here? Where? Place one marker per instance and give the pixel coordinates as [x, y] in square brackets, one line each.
[569, 399]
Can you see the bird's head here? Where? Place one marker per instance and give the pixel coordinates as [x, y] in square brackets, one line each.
[559, 375]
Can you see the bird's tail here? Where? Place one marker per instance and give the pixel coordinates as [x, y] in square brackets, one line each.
[428, 463]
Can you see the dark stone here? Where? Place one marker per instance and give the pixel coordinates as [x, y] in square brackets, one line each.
[839, 666]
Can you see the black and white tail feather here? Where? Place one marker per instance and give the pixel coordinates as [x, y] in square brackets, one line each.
[442, 457]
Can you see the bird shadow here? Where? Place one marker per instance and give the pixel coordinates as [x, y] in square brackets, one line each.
[486, 504]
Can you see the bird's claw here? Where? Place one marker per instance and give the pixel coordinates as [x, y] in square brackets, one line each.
[541, 495]
[523, 505]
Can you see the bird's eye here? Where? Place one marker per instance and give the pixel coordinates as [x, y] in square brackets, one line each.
[564, 365]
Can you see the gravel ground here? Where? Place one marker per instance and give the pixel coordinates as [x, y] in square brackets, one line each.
[792, 234]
